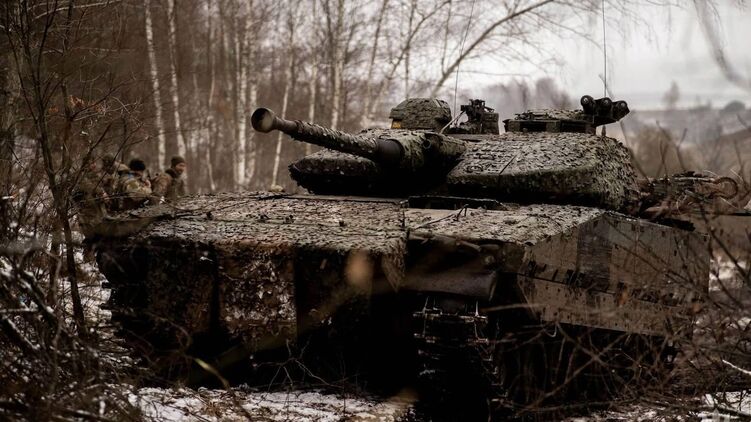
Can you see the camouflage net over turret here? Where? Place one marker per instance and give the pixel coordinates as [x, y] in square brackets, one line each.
[548, 168]
[421, 114]
[594, 113]
[550, 157]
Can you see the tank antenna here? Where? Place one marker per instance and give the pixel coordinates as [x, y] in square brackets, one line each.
[604, 54]
[604, 60]
[461, 51]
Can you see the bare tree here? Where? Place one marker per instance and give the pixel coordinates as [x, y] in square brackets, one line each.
[313, 81]
[59, 116]
[709, 20]
[249, 69]
[369, 100]
[174, 88]
[155, 89]
[291, 24]
[514, 12]
[408, 46]
[403, 49]
[335, 34]
[35, 90]
[9, 97]
[245, 41]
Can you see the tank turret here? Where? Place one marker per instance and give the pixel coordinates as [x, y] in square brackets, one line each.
[471, 159]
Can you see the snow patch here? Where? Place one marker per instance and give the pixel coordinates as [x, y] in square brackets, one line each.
[726, 275]
[184, 404]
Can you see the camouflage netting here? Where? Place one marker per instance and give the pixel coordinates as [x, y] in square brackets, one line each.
[547, 167]
[328, 165]
[523, 225]
[260, 249]
[420, 113]
[418, 169]
[234, 261]
[552, 114]
[259, 266]
[534, 167]
[265, 269]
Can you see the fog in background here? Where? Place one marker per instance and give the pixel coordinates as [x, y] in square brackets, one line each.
[645, 56]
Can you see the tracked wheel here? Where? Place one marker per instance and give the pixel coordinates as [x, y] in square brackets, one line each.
[476, 367]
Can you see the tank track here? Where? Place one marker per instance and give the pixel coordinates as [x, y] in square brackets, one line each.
[461, 355]
[457, 356]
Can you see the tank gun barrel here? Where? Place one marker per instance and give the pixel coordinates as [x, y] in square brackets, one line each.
[407, 150]
[384, 151]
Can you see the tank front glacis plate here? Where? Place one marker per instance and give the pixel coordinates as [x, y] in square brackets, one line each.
[257, 251]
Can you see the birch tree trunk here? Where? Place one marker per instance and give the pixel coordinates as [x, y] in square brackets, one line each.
[197, 111]
[208, 120]
[408, 46]
[337, 59]
[236, 38]
[312, 88]
[313, 81]
[252, 92]
[242, 101]
[9, 87]
[287, 85]
[252, 101]
[154, 76]
[336, 93]
[285, 102]
[228, 42]
[171, 39]
[366, 118]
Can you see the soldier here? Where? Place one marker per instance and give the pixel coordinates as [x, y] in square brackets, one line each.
[110, 165]
[112, 170]
[133, 190]
[170, 185]
[90, 197]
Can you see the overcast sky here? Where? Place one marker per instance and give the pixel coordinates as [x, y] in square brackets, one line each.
[644, 58]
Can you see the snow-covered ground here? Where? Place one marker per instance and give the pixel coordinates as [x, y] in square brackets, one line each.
[726, 275]
[183, 404]
[709, 408]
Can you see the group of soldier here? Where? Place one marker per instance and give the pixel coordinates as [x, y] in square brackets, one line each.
[116, 187]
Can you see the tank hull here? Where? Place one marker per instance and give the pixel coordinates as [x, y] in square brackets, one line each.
[267, 271]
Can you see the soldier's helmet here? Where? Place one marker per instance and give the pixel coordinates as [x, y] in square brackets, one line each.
[108, 160]
[421, 114]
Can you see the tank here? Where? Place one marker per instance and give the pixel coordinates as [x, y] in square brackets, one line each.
[500, 271]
